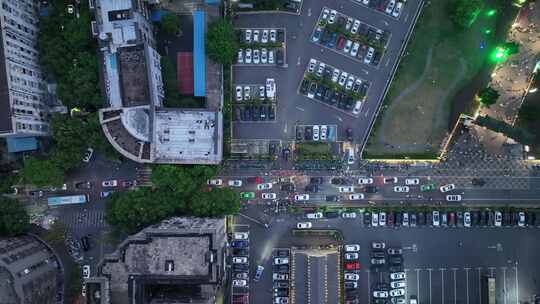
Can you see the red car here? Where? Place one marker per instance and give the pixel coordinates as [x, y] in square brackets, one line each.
[352, 266]
[340, 43]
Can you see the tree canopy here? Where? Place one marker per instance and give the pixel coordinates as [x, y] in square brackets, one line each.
[221, 41]
[170, 23]
[178, 190]
[464, 12]
[488, 96]
[13, 219]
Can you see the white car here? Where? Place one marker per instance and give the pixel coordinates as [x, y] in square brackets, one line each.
[447, 188]
[378, 245]
[256, 57]
[401, 189]
[346, 189]
[248, 56]
[374, 219]
[335, 75]
[348, 215]
[453, 198]
[264, 56]
[498, 219]
[324, 130]
[348, 24]
[268, 196]
[312, 65]
[320, 70]
[365, 181]
[397, 292]
[235, 183]
[315, 215]
[271, 57]
[325, 14]
[304, 225]
[357, 107]
[356, 196]
[248, 36]
[256, 36]
[343, 78]
[397, 10]
[301, 197]
[350, 82]
[239, 283]
[467, 219]
[398, 276]
[521, 219]
[369, 55]
[352, 248]
[351, 255]
[355, 48]
[239, 260]
[365, 2]
[240, 56]
[348, 46]
[412, 181]
[436, 218]
[398, 284]
[247, 92]
[264, 186]
[332, 17]
[88, 155]
[382, 219]
[239, 96]
[315, 133]
[351, 277]
[86, 271]
[273, 35]
[356, 26]
[381, 294]
[264, 36]
[390, 6]
[109, 183]
[281, 261]
[105, 193]
[241, 235]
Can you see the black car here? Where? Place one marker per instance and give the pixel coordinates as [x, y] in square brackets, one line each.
[312, 188]
[349, 285]
[319, 92]
[475, 218]
[255, 113]
[263, 113]
[367, 219]
[338, 181]
[312, 88]
[327, 95]
[308, 131]
[271, 113]
[421, 219]
[316, 180]
[332, 198]
[412, 219]
[304, 86]
[396, 260]
[281, 292]
[281, 284]
[396, 268]
[83, 185]
[530, 217]
[288, 187]
[237, 114]
[240, 252]
[240, 267]
[377, 254]
[459, 218]
[335, 98]
[429, 218]
[85, 242]
[299, 133]
[399, 219]
[390, 218]
[331, 214]
[281, 268]
[349, 134]
[282, 253]
[370, 189]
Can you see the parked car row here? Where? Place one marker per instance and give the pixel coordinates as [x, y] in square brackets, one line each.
[438, 218]
[240, 264]
[254, 113]
[281, 276]
[315, 133]
[390, 7]
[391, 261]
[334, 87]
[247, 93]
[350, 36]
[258, 56]
[351, 271]
[262, 36]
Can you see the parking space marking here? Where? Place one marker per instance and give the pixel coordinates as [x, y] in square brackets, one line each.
[300, 109]
[418, 283]
[479, 284]
[492, 269]
[339, 118]
[442, 286]
[368, 289]
[467, 279]
[517, 284]
[455, 285]
[429, 269]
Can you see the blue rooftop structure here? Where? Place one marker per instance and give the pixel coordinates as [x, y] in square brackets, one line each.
[199, 64]
[212, 2]
[21, 144]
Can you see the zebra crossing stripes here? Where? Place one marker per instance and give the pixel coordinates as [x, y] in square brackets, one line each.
[91, 218]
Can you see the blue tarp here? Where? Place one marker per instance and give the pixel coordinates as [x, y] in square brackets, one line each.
[199, 64]
[21, 144]
[157, 14]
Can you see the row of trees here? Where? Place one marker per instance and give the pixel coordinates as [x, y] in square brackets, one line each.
[177, 190]
[13, 219]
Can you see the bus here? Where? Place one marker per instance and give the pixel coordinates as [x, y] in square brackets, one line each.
[67, 200]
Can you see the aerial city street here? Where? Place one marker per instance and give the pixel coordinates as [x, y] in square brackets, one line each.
[270, 151]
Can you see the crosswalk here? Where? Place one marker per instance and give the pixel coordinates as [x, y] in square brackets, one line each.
[84, 219]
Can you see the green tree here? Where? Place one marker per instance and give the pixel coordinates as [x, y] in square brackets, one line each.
[41, 172]
[217, 202]
[13, 219]
[488, 96]
[170, 24]
[464, 12]
[221, 41]
[182, 180]
[56, 234]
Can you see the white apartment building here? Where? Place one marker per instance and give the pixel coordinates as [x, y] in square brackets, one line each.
[24, 109]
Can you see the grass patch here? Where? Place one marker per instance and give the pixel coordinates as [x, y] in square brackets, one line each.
[440, 59]
[307, 151]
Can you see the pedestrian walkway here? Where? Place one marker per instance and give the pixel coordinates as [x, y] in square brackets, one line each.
[83, 219]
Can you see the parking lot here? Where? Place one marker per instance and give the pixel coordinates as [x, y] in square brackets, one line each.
[295, 109]
[442, 265]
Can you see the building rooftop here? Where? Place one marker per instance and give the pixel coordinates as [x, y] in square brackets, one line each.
[133, 76]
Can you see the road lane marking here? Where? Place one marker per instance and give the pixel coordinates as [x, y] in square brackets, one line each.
[455, 287]
[300, 109]
[418, 283]
[309, 12]
[467, 277]
[504, 283]
[339, 118]
[406, 18]
[387, 62]
[517, 284]
[442, 286]
[285, 128]
[492, 270]
[430, 301]
[479, 284]
[298, 61]
[368, 289]
[365, 71]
